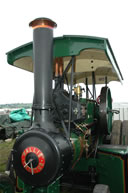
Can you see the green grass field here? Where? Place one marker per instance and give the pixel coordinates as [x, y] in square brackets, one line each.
[5, 149]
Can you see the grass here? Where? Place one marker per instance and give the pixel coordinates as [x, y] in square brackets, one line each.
[5, 149]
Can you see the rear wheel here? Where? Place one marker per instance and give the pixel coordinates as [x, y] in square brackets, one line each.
[116, 133]
[124, 138]
[101, 188]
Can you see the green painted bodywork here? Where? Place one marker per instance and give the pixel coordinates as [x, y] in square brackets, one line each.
[84, 164]
[110, 169]
[73, 45]
[63, 46]
[91, 112]
[52, 188]
[76, 146]
[69, 46]
[19, 184]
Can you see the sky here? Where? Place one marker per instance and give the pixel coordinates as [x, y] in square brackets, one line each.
[99, 18]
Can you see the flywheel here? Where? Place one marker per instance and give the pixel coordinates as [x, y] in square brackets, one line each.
[105, 111]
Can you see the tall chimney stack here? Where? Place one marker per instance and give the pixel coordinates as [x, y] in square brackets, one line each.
[43, 72]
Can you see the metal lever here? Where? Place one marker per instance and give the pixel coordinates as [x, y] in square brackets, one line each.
[114, 111]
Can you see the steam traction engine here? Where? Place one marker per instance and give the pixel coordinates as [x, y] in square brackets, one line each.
[70, 142]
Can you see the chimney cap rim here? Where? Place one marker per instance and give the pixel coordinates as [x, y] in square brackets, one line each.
[42, 22]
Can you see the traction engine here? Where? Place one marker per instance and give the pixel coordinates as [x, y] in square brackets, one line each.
[68, 143]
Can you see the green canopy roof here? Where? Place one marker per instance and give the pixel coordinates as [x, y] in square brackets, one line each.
[92, 55]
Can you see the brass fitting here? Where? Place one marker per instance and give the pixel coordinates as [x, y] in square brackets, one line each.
[78, 91]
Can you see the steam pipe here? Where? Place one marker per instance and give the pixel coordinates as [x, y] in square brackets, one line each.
[43, 72]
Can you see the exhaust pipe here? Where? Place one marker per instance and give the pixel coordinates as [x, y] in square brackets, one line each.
[43, 72]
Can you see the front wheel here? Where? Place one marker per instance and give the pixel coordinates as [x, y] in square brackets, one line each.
[6, 185]
[101, 188]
